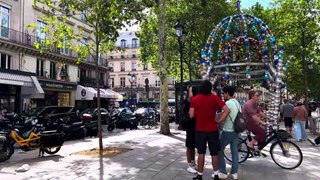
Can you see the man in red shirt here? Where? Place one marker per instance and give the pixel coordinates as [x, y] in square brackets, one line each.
[204, 107]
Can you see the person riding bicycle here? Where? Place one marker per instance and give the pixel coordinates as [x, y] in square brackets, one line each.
[252, 114]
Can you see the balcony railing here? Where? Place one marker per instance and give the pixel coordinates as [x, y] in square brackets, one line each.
[137, 45]
[29, 40]
[90, 81]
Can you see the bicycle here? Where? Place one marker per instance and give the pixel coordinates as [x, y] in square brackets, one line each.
[281, 148]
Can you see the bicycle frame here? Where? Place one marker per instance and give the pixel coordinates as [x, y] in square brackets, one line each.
[21, 141]
[270, 137]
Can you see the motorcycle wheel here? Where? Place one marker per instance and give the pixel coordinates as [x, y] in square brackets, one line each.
[6, 152]
[111, 127]
[52, 150]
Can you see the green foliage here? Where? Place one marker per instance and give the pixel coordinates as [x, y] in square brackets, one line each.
[294, 24]
[198, 17]
[103, 19]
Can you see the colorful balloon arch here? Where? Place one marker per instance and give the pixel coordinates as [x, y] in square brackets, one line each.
[246, 51]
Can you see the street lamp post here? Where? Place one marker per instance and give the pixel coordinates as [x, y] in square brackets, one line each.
[181, 34]
[132, 80]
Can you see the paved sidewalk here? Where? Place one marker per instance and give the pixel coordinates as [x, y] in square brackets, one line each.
[154, 156]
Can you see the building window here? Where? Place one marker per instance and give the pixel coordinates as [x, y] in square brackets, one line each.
[123, 82]
[134, 54]
[134, 43]
[5, 61]
[157, 83]
[64, 75]
[40, 34]
[112, 82]
[111, 67]
[84, 15]
[123, 43]
[122, 55]
[40, 68]
[123, 67]
[145, 66]
[134, 66]
[88, 74]
[5, 19]
[156, 95]
[65, 47]
[52, 74]
[83, 43]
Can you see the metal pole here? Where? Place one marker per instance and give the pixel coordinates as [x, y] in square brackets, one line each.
[181, 60]
[181, 84]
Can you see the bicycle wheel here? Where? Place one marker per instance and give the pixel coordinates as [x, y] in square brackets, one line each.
[243, 151]
[286, 154]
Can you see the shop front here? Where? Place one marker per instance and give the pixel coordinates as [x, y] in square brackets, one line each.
[57, 93]
[86, 97]
[16, 89]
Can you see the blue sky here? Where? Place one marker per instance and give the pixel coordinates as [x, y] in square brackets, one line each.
[249, 3]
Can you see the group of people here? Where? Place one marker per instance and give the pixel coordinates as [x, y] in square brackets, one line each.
[202, 128]
[295, 115]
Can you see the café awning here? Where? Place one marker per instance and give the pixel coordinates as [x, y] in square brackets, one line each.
[89, 93]
[30, 86]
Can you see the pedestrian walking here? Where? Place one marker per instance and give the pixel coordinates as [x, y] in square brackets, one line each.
[287, 113]
[204, 107]
[190, 127]
[300, 116]
[228, 136]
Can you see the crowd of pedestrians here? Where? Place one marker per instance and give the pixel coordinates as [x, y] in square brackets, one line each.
[211, 123]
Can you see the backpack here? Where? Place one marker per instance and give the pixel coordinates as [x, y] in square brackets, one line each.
[239, 124]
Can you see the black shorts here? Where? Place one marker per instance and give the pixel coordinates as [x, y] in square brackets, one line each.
[191, 134]
[210, 138]
[288, 121]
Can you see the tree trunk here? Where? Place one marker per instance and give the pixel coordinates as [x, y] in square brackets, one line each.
[98, 92]
[164, 127]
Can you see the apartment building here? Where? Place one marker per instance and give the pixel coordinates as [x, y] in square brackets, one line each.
[29, 77]
[124, 63]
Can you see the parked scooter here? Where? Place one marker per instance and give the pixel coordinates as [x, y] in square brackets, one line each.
[122, 118]
[48, 138]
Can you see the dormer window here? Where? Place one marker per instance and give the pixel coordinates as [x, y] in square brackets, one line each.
[134, 43]
[123, 43]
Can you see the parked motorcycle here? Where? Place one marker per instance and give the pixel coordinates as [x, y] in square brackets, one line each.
[48, 138]
[122, 118]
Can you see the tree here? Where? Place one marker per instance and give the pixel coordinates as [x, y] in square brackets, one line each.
[198, 17]
[104, 19]
[164, 129]
[297, 29]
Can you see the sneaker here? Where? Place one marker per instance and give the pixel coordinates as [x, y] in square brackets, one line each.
[191, 169]
[198, 177]
[234, 176]
[222, 176]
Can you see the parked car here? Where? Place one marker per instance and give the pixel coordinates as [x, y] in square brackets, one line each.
[92, 114]
[122, 118]
[141, 112]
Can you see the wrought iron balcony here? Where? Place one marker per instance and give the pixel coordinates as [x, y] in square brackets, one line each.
[28, 40]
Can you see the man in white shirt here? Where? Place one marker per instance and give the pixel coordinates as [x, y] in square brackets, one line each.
[228, 136]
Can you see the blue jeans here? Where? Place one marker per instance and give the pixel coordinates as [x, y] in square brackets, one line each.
[232, 139]
[299, 127]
